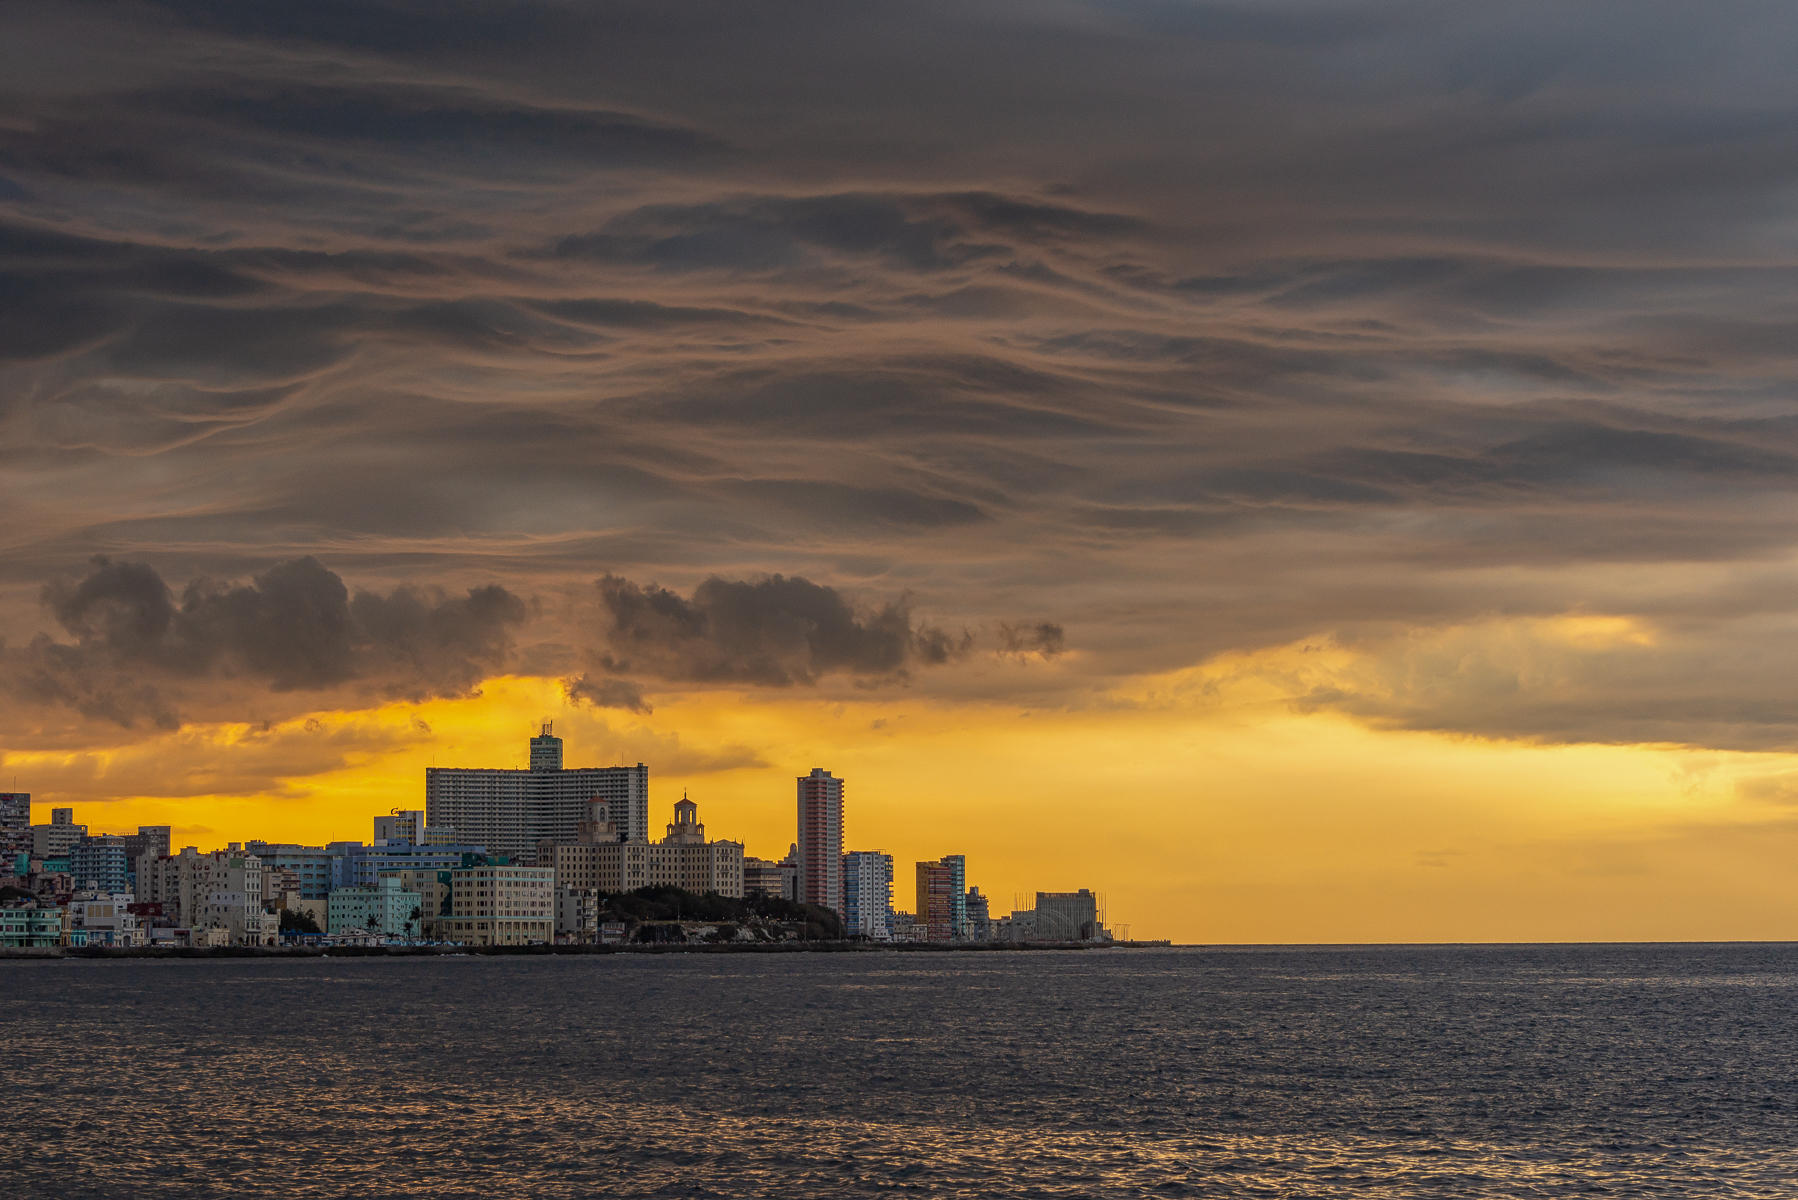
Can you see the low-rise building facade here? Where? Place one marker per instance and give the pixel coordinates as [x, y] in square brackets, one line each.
[385, 908]
[220, 890]
[502, 905]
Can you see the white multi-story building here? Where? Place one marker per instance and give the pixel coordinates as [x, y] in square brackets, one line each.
[220, 890]
[108, 920]
[56, 839]
[868, 895]
[511, 811]
[820, 845]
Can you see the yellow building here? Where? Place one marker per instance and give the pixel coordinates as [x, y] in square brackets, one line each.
[501, 906]
[683, 859]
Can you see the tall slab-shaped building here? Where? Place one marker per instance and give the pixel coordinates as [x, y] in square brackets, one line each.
[510, 811]
[821, 839]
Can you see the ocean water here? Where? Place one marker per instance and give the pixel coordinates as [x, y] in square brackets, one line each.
[1394, 1072]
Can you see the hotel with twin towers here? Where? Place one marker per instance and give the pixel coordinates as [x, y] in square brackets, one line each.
[510, 811]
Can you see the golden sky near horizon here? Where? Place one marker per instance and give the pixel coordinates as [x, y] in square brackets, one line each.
[1201, 814]
[1306, 472]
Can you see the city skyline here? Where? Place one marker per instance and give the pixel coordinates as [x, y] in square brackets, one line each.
[480, 816]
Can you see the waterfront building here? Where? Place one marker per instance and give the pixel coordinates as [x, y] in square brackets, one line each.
[149, 839]
[979, 917]
[905, 928]
[31, 928]
[601, 860]
[762, 877]
[15, 828]
[433, 888]
[935, 895]
[98, 864]
[686, 860]
[1068, 917]
[577, 915]
[958, 895]
[107, 920]
[511, 811]
[502, 905]
[384, 907]
[56, 839]
[220, 890]
[868, 895]
[820, 845]
[942, 899]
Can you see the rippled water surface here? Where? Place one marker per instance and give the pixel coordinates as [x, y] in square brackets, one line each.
[1662, 1071]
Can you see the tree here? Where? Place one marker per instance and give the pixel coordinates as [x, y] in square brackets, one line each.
[295, 920]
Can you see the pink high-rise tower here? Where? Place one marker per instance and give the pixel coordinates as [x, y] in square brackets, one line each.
[821, 839]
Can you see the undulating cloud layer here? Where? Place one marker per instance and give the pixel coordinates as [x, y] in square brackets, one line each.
[976, 353]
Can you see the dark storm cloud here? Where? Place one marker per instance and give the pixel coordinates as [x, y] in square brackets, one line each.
[772, 632]
[1195, 327]
[606, 693]
[1045, 638]
[134, 644]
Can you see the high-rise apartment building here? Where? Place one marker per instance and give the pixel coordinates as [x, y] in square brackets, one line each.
[820, 846]
[15, 828]
[942, 899]
[980, 916]
[56, 839]
[868, 895]
[149, 839]
[511, 811]
[98, 864]
[936, 901]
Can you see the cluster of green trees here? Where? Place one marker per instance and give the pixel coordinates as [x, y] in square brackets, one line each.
[294, 920]
[650, 905]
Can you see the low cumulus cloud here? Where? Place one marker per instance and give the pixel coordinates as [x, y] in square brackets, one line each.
[133, 646]
[777, 631]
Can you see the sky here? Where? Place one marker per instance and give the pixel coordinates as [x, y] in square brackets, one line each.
[1308, 472]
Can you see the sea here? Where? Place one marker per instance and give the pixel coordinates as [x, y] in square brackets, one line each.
[1492, 1071]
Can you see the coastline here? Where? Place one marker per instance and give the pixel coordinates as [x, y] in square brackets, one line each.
[817, 947]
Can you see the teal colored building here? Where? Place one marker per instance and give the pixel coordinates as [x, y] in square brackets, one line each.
[28, 928]
[383, 907]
